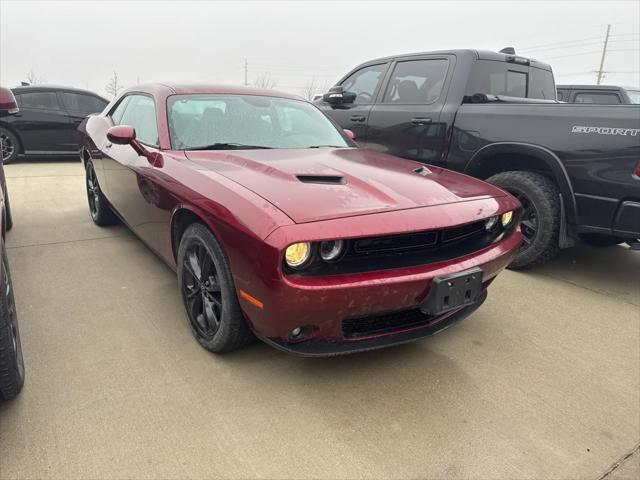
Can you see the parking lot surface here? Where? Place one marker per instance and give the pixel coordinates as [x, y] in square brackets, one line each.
[542, 382]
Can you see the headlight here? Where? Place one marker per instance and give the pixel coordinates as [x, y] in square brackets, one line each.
[489, 223]
[331, 250]
[506, 218]
[297, 254]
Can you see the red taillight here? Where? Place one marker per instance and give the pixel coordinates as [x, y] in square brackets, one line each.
[638, 170]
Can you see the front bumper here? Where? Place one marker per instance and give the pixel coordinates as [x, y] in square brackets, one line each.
[319, 305]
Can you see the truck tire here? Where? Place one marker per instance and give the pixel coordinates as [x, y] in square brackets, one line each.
[540, 222]
[598, 240]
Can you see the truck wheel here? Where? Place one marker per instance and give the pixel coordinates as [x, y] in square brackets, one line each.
[540, 222]
[11, 362]
[598, 240]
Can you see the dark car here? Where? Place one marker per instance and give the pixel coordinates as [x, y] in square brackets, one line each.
[575, 168]
[599, 94]
[279, 226]
[11, 361]
[47, 123]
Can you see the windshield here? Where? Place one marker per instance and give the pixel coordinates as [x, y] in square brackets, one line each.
[634, 96]
[211, 121]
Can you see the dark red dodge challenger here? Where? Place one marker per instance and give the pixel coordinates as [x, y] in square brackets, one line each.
[280, 226]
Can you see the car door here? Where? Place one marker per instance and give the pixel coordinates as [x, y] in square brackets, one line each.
[406, 119]
[133, 184]
[43, 124]
[364, 84]
[78, 106]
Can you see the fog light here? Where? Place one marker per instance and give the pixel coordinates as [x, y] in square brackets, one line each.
[331, 250]
[297, 254]
[506, 218]
[296, 331]
[489, 223]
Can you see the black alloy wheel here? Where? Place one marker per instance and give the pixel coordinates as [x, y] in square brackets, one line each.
[93, 191]
[10, 147]
[540, 219]
[201, 290]
[528, 220]
[208, 292]
[99, 208]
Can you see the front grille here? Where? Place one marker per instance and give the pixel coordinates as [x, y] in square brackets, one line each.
[356, 327]
[458, 233]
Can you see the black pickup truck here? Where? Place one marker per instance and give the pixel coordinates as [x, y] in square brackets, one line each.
[600, 94]
[575, 168]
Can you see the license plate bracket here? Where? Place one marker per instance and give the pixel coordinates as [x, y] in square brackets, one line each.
[453, 291]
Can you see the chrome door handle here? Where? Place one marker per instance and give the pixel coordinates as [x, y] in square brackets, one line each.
[420, 121]
[357, 118]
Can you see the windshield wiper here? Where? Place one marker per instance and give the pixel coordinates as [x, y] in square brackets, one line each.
[326, 146]
[227, 146]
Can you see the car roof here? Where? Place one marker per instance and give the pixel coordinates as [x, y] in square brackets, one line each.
[53, 88]
[477, 54]
[188, 89]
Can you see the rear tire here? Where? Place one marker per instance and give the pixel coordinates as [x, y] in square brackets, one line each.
[10, 146]
[99, 208]
[598, 240]
[11, 361]
[208, 292]
[540, 223]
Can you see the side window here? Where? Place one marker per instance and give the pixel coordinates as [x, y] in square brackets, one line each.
[82, 103]
[601, 98]
[116, 115]
[416, 81]
[39, 100]
[140, 113]
[364, 83]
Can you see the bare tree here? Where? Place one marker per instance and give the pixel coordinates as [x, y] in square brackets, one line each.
[113, 87]
[264, 80]
[33, 78]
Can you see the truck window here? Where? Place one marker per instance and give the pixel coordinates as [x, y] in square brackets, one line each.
[364, 83]
[416, 81]
[502, 78]
[602, 98]
[634, 96]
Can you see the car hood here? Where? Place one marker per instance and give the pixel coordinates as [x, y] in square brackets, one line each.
[320, 184]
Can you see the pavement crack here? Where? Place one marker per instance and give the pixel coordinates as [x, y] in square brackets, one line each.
[624, 458]
[61, 242]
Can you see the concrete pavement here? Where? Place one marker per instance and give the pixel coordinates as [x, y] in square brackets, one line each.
[542, 382]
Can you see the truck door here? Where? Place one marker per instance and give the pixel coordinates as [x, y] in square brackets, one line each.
[364, 83]
[406, 119]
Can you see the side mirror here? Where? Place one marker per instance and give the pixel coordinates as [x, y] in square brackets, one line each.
[121, 135]
[126, 135]
[350, 134]
[334, 96]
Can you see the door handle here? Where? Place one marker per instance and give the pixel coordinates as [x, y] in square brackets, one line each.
[357, 118]
[420, 121]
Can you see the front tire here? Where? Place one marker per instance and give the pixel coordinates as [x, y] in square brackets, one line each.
[10, 146]
[99, 208]
[208, 292]
[540, 222]
[11, 360]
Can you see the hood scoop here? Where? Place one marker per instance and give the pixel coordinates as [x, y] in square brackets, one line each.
[323, 179]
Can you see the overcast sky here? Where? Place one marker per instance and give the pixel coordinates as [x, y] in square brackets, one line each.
[80, 43]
